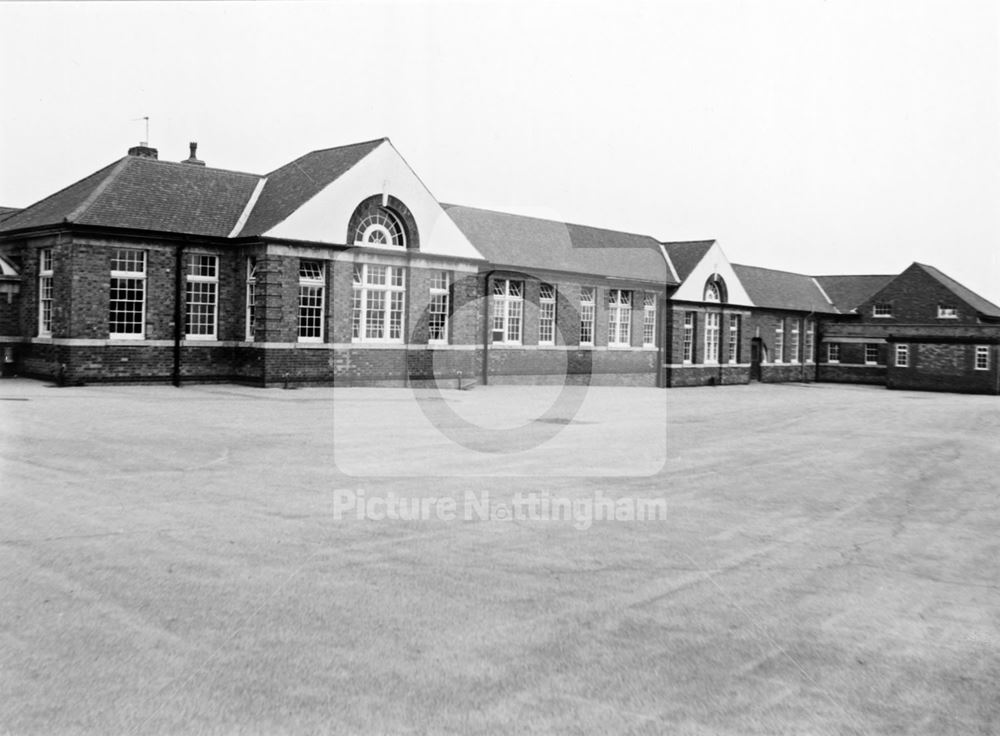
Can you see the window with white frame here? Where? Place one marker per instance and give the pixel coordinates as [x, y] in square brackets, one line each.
[902, 356]
[546, 314]
[688, 351]
[587, 306]
[379, 298]
[437, 311]
[712, 293]
[649, 320]
[833, 352]
[381, 228]
[251, 297]
[882, 309]
[779, 341]
[312, 289]
[619, 318]
[871, 354]
[734, 338]
[810, 347]
[712, 337]
[793, 348]
[508, 311]
[982, 357]
[947, 312]
[127, 303]
[45, 275]
[201, 296]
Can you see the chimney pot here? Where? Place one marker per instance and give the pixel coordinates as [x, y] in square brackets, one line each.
[193, 158]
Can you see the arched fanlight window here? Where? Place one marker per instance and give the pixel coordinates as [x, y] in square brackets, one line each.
[380, 227]
[712, 292]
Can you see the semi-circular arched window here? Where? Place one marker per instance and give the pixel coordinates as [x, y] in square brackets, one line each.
[380, 227]
[715, 290]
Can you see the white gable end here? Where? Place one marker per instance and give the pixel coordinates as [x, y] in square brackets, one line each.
[714, 262]
[325, 217]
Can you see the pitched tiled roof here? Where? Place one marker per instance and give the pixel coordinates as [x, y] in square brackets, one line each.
[685, 255]
[981, 305]
[6, 212]
[783, 290]
[533, 243]
[146, 194]
[847, 292]
[294, 184]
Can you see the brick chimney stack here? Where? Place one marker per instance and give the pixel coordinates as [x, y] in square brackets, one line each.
[193, 158]
[143, 151]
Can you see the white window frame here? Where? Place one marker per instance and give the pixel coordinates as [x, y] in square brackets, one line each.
[201, 285]
[882, 309]
[902, 356]
[619, 318]
[947, 312]
[982, 358]
[438, 307]
[378, 300]
[311, 318]
[46, 274]
[734, 338]
[588, 309]
[250, 325]
[507, 315]
[381, 229]
[779, 341]
[687, 354]
[712, 328]
[810, 347]
[546, 314]
[833, 352]
[793, 348]
[649, 320]
[126, 274]
[871, 347]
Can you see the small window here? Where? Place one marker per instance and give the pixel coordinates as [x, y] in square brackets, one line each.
[793, 347]
[902, 356]
[45, 274]
[734, 338]
[779, 341]
[201, 297]
[127, 304]
[982, 357]
[712, 292]
[508, 311]
[882, 309]
[587, 304]
[833, 352]
[546, 314]
[688, 354]
[251, 297]
[437, 313]
[871, 354]
[619, 318]
[712, 337]
[810, 340]
[649, 320]
[947, 312]
[312, 284]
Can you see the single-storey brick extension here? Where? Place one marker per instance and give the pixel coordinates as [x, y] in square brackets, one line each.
[341, 268]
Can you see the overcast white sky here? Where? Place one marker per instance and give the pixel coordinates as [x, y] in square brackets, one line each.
[847, 136]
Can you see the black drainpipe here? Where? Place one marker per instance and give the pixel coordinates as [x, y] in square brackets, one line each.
[178, 285]
[486, 328]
